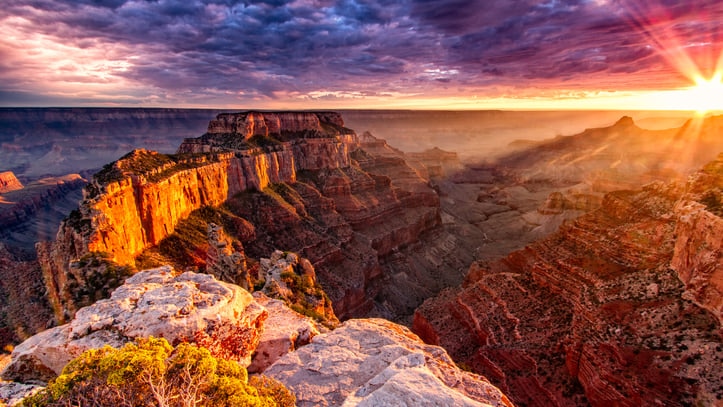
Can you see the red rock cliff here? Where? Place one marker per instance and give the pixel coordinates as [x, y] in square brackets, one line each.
[140, 199]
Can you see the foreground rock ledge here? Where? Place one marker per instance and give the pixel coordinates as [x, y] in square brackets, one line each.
[374, 362]
[189, 307]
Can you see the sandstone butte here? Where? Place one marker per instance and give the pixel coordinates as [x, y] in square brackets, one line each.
[300, 181]
[625, 301]
[8, 182]
[363, 362]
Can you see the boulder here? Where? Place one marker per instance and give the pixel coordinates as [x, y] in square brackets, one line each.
[12, 394]
[188, 307]
[376, 362]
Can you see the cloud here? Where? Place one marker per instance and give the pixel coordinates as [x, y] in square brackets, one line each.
[263, 50]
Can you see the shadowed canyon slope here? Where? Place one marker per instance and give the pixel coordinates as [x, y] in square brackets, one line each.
[624, 300]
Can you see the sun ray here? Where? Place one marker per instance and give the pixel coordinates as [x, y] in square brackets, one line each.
[700, 63]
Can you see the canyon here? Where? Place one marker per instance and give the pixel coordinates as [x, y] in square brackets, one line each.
[293, 181]
[619, 307]
[596, 261]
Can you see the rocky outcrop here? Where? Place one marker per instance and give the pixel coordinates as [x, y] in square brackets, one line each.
[698, 253]
[189, 307]
[285, 331]
[12, 394]
[292, 279]
[8, 182]
[137, 201]
[225, 262]
[375, 362]
[318, 139]
[595, 313]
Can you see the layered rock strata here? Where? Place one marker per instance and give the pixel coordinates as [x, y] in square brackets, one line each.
[25, 310]
[374, 362]
[138, 200]
[597, 314]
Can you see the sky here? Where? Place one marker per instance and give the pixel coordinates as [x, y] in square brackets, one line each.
[417, 54]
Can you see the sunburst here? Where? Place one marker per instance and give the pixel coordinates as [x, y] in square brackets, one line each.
[706, 95]
[700, 62]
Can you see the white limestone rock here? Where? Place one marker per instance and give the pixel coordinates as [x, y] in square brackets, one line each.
[189, 307]
[284, 331]
[376, 362]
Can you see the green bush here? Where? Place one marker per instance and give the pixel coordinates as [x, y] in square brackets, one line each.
[150, 372]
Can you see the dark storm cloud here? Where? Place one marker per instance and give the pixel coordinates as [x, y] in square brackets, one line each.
[265, 47]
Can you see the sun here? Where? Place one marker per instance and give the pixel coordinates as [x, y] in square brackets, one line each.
[706, 95]
[702, 98]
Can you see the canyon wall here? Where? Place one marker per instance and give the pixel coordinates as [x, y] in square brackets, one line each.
[273, 123]
[620, 307]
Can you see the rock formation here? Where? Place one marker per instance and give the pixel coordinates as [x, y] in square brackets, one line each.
[223, 261]
[189, 307]
[621, 156]
[698, 252]
[284, 331]
[12, 393]
[364, 362]
[369, 222]
[596, 314]
[8, 182]
[292, 279]
[278, 124]
[374, 362]
[439, 163]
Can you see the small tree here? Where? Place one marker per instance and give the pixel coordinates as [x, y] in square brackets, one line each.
[151, 372]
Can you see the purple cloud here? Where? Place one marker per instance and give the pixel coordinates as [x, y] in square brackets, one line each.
[260, 49]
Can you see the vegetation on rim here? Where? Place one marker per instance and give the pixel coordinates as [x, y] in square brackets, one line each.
[151, 372]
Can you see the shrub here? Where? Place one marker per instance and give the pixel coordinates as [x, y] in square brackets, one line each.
[150, 372]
